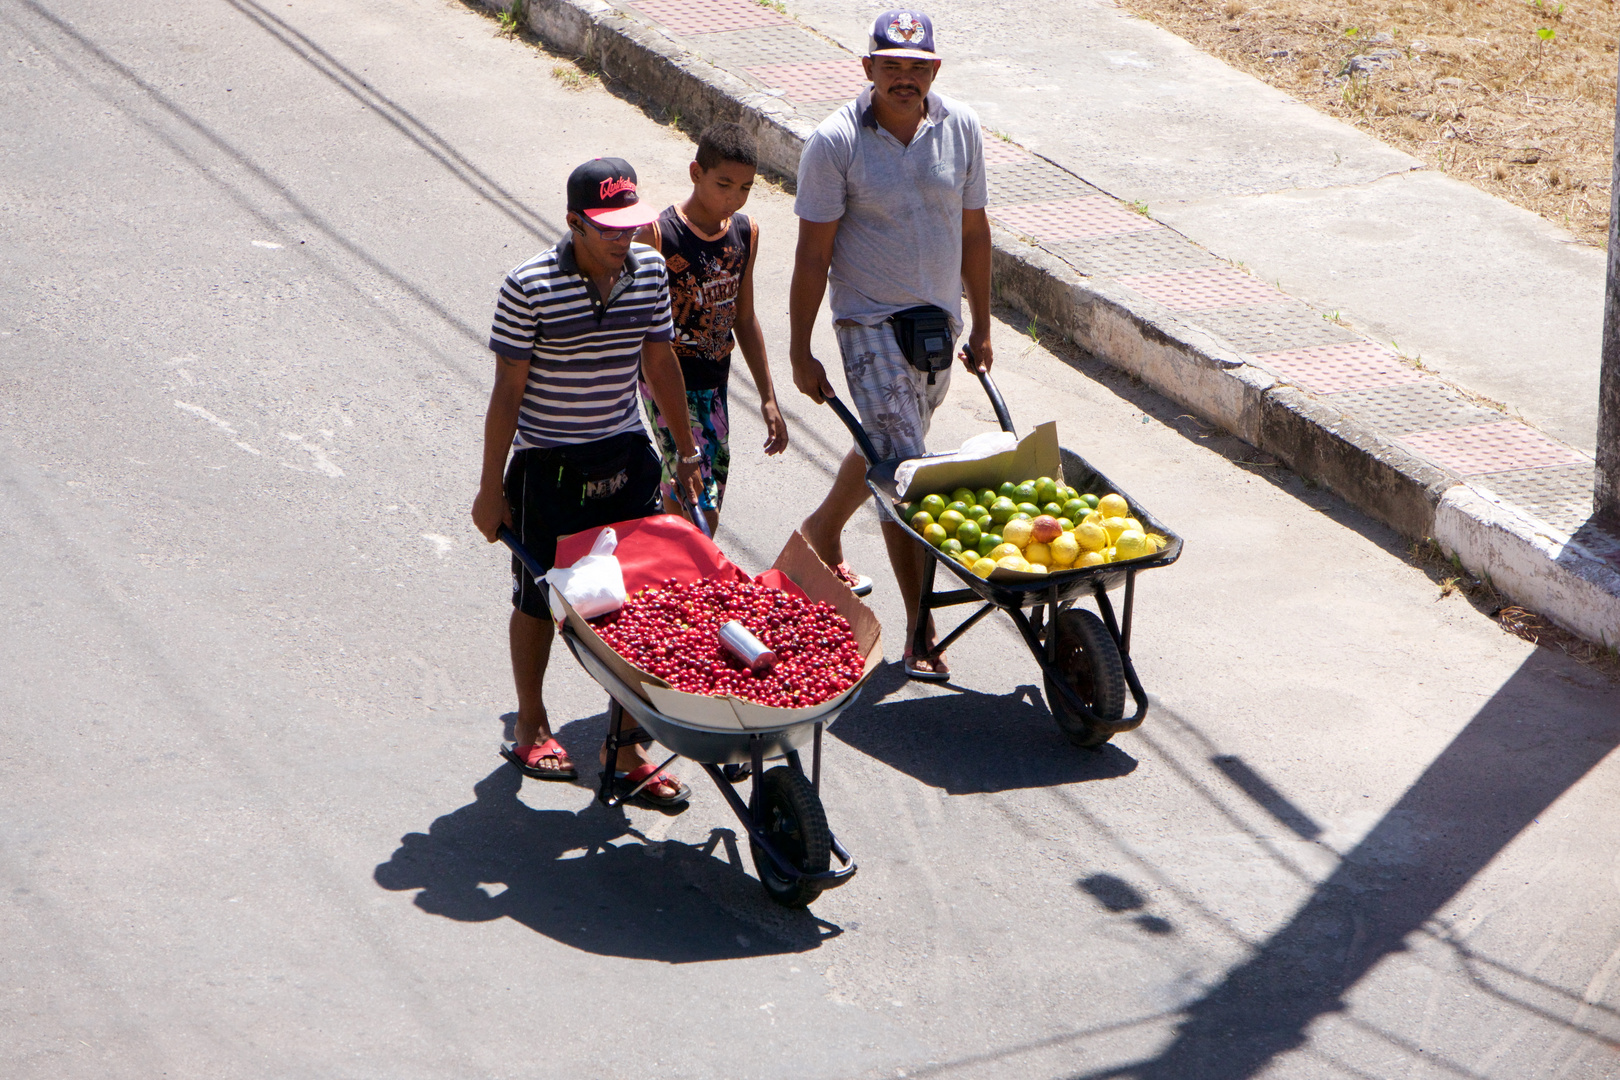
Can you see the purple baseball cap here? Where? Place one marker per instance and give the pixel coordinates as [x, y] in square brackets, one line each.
[903, 33]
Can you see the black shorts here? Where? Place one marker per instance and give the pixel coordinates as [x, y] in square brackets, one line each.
[561, 490]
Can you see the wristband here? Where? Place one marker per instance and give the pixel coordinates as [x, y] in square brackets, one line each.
[697, 456]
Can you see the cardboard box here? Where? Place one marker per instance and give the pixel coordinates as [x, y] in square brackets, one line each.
[804, 569]
[1036, 454]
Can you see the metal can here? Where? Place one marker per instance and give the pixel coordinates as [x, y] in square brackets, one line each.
[741, 643]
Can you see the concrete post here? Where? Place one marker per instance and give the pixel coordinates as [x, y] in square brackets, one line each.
[1606, 495]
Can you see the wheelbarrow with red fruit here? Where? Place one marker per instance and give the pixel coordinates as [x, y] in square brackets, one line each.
[673, 659]
[1085, 656]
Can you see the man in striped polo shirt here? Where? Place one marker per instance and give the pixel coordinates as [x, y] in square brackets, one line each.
[574, 327]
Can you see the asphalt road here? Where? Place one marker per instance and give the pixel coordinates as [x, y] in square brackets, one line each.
[253, 666]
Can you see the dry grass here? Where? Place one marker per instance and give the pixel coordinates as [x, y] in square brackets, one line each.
[1448, 573]
[1516, 98]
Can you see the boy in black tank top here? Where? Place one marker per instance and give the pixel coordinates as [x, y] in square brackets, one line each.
[709, 251]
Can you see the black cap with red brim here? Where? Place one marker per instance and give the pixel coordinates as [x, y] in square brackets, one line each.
[604, 190]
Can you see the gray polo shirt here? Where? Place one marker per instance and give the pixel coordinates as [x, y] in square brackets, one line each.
[899, 240]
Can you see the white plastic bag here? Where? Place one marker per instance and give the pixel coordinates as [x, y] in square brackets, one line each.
[592, 586]
[980, 446]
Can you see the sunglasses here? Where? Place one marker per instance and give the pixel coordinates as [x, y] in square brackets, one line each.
[606, 234]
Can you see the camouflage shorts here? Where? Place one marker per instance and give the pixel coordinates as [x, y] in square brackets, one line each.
[894, 399]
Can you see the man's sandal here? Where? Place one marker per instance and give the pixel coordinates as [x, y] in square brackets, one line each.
[626, 782]
[928, 674]
[859, 584]
[528, 759]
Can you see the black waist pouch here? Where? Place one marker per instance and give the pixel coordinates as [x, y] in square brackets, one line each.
[924, 335]
[600, 468]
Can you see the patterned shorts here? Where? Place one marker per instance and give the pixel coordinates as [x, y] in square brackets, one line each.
[711, 426]
[893, 398]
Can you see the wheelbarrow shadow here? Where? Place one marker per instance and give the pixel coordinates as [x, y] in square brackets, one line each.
[969, 743]
[588, 880]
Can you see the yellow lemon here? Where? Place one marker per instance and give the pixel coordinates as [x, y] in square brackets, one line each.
[984, 567]
[1092, 518]
[1091, 558]
[1037, 568]
[1065, 549]
[1131, 545]
[1157, 541]
[1002, 551]
[1017, 533]
[1108, 554]
[1091, 536]
[1108, 506]
[1039, 553]
[1134, 524]
[1113, 526]
[1013, 562]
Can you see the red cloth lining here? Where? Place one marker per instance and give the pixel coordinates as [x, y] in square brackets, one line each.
[653, 549]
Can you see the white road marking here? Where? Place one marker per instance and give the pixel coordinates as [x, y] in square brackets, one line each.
[203, 414]
[266, 244]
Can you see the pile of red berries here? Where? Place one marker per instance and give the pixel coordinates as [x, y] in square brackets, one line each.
[671, 630]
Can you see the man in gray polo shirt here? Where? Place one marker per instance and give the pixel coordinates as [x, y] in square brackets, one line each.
[891, 211]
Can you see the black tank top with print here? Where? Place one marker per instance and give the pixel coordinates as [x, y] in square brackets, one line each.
[704, 279]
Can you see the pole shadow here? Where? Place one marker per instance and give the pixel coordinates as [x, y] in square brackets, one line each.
[969, 743]
[589, 880]
[1534, 740]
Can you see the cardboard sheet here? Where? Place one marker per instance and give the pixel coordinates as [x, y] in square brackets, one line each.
[1036, 454]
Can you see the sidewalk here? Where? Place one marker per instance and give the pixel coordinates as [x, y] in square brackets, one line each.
[1281, 257]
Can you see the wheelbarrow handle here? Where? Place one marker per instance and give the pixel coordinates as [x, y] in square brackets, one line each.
[861, 438]
[1003, 417]
[694, 513]
[530, 563]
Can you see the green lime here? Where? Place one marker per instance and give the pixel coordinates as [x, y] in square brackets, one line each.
[1046, 490]
[1025, 492]
[988, 542]
[964, 495]
[986, 497]
[1065, 524]
[1052, 509]
[1021, 516]
[934, 534]
[1007, 490]
[933, 504]
[951, 547]
[1027, 507]
[969, 532]
[921, 520]
[1075, 509]
[1091, 501]
[978, 513]
[1002, 509]
[1065, 493]
[904, 511]
[960, 507]
[950, 521]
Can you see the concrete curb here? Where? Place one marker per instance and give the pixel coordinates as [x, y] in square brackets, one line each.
[1556, 578]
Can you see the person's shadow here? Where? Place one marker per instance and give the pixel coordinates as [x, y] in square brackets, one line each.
[589, 880]
[968, 743]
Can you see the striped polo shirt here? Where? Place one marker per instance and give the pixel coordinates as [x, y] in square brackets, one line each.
[584, 353]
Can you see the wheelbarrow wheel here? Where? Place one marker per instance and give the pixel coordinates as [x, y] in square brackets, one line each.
[1088, 661]
[792, 818]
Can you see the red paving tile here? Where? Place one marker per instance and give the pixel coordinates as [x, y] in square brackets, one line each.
[998, 151]
[1203, 290]
[1079, 218]
[1334, 369]
[708, 16]
[823, 80]
[1483, 448]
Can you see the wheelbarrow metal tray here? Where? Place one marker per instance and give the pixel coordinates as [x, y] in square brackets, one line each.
[1037, 454]
[721, 715]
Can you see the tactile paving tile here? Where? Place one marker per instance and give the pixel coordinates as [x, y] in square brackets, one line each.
[1203, 290]
[1429, 405]
[1560, 495]
[1032, 180]
[1072, 219]
[1488, 448]
[818, 80]
[708, 16]
[1333, 369]
[998, 151]
[738, 50]
[1288, 324]
[1136, 253]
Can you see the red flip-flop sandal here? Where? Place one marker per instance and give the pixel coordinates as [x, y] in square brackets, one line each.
[528, 758]
[626, 782]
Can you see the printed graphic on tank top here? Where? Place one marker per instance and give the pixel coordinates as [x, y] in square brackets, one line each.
[705, 277]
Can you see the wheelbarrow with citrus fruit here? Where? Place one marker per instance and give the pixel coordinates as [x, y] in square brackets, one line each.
[1030, 531]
